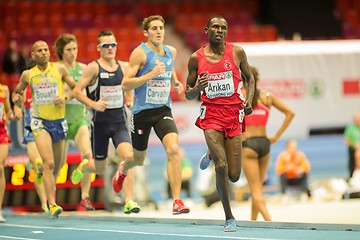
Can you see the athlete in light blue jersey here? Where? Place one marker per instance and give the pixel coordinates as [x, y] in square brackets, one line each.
[151, 73]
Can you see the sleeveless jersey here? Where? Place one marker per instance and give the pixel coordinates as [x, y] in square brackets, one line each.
[108, 85]
[259, 116]
[224, 78]
[45, 86]
[28, 97]
[155, 93]
[2, 106]
[75, 109]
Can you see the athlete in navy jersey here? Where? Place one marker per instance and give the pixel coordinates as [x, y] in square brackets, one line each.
[102, 79]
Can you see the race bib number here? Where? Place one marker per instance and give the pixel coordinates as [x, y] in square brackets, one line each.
[45, 92]
[113, 96]
[220, 85]
[36, 125]
[64, 126]
[202, 112]
[241, 115]
[157, 91]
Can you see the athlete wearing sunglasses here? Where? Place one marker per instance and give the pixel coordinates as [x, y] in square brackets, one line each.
[103, 79]
[108, 45]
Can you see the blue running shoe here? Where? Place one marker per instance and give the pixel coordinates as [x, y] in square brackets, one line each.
[205, 160]
[230, 225]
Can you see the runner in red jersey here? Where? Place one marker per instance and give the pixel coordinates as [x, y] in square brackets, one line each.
[222, 98]
[6, 114]
[214, 73]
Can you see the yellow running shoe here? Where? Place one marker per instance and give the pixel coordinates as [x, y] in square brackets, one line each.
[131, 207]
[78, 174]
[55, 211]
[39, 170]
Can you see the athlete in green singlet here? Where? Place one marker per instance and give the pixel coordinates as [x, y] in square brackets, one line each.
[76, 114]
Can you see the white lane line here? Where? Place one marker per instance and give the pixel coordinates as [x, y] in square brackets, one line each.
[19, 238]
[139, 233]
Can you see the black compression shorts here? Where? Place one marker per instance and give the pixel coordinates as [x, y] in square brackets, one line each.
[160, 119]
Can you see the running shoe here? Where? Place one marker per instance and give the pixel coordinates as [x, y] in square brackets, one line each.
[45, 208]
[131, 207]
[78, 173]
[179, 207]
[2, 219]
[230, 225]
[55, 211]
[205, 160]
[39, 170]
[86, 205]
[118, 179]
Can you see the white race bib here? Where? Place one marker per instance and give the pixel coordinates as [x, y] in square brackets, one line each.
[36, 125]
[113, 96]
[220, 85]
[202, 112]
[157, 91]
[45, 92]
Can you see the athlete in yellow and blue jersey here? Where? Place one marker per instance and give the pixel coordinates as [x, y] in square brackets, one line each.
[48, 124]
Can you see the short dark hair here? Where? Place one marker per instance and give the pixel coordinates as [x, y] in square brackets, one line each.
[217, 16]
[104, 33]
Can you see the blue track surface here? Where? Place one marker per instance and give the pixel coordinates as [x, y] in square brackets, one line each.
[328, 156]
[31, 227]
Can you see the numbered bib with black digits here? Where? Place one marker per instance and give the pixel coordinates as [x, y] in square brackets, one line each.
[202, 112]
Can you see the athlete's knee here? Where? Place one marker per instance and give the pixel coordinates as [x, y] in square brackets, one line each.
[49, 165]
[233, 175]
[220, 169]
[128, 156]
[173, 151]
[234, 178]
[257, 200]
